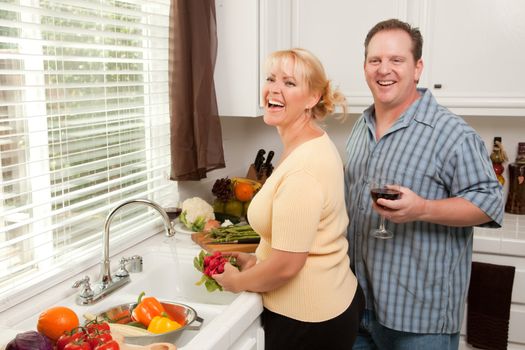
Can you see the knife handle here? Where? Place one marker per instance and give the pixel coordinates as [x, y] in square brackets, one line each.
[259, 160]
[269, 158]
[268, 167]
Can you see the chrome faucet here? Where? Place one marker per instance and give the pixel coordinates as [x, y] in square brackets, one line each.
[108, 283]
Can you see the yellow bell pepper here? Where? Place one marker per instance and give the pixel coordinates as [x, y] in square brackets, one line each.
[162, 324]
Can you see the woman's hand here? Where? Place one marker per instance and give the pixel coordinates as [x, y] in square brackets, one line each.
[244, 260]
[228, 278]
[272, 273]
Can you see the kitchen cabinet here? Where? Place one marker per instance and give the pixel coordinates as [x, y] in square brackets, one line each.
[251, 339]
[335, 30]
[247, 31]
[473, 55]
[472, 49]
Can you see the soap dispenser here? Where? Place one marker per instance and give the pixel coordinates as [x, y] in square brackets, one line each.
[516, 198]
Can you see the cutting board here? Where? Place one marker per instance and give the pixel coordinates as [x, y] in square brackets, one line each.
[154, 346]
[201, 239]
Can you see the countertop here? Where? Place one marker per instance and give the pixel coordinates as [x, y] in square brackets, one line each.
[507, 240]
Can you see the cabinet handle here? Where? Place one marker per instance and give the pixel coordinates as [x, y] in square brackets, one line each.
[437, 86]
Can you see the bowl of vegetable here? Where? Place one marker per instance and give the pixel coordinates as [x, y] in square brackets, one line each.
[164, 320]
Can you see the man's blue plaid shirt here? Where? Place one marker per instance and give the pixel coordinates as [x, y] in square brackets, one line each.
[417, 281]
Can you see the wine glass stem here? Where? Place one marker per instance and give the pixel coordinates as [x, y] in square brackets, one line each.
[382, 223]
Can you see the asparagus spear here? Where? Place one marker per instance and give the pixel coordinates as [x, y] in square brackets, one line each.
[232, 233]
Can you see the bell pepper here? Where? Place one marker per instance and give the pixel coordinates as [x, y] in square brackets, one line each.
[162, 324]
[147, 309]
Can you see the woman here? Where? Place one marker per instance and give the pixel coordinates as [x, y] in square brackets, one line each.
[301, 267]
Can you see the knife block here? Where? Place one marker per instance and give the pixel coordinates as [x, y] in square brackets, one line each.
[252, 175]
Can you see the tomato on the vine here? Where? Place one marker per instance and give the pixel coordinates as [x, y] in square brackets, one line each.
[80, 344]
[110, 345]
[67, 338]
[98, 338]
[97, 327]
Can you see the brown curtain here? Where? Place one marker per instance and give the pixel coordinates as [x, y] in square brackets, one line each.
[196, 138]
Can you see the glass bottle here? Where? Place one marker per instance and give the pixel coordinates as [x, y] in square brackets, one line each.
[516, 198]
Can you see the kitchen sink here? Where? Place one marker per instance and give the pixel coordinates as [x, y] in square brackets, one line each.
[168, 274]
[166, 278]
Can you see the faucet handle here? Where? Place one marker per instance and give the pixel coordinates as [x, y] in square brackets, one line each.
[86, 291]
[135, 265]
[122, 271]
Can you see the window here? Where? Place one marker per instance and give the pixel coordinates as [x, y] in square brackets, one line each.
[84, 124]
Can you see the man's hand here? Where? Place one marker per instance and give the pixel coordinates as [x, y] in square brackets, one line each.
[410, 207]
[454, 211]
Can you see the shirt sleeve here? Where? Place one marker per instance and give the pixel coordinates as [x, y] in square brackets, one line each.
[473, 179]
[297, 207]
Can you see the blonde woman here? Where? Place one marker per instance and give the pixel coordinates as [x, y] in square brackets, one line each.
[311, 297]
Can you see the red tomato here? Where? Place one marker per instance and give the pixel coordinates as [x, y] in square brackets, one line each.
[67, 338]
[78, 345]
[97, 326]
[110, 345]
[98, 338]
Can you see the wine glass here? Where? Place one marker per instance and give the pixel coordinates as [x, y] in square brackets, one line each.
[388, 189]
[173, 212]
[173, 209]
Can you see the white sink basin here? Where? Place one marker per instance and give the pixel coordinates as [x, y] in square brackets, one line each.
[226, 315]
[166, 277]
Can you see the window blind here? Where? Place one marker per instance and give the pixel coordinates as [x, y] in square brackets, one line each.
[84, 124]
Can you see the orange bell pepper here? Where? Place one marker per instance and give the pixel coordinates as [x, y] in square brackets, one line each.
[147, 309]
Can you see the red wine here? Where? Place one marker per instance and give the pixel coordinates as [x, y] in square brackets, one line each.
[173, 212]
[386, 193]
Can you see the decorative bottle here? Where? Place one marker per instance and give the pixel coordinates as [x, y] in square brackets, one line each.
[498, 157]
[516, 198]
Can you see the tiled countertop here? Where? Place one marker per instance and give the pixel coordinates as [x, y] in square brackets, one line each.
[507, 240]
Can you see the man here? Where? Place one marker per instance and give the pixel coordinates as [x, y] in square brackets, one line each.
[416, 282]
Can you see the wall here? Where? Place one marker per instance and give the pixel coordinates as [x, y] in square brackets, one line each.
[244, 136]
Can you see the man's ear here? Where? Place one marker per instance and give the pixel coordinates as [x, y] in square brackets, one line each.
[418, 71]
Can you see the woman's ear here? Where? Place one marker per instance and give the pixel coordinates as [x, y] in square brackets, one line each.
[314, 99]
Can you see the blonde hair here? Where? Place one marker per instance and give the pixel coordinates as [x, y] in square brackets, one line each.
[309, 69]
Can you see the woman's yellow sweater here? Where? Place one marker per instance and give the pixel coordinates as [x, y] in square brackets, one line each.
[301, 208]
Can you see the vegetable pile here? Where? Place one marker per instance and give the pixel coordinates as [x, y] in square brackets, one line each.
[233, 196]
[211, 264]
[94, 335]
[150, 312]
[234, 234]
[58, 328]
